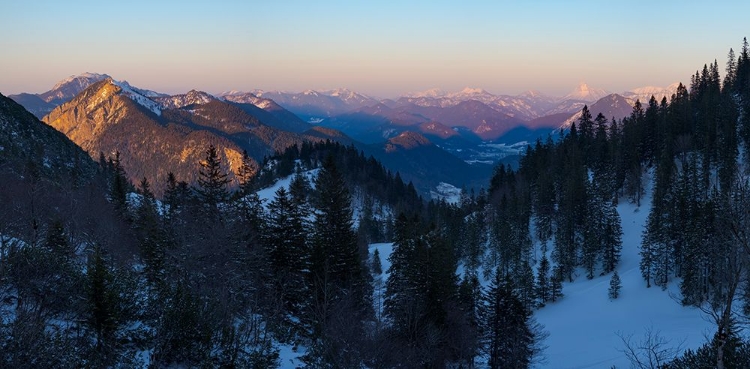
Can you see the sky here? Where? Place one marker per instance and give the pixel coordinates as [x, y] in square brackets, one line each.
[382, 48]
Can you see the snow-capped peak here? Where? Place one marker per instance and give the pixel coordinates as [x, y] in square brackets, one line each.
[469, 91]
[585, 93]
[433, 93]
[86, 78]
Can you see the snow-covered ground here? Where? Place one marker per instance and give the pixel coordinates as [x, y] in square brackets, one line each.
[585, 326]
[289, 356]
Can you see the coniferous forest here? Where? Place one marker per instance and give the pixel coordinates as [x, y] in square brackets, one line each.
[96, 271]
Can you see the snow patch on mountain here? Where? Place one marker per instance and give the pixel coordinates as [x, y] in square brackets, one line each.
[446, 192]
[248, 98]
[193, 97]
[144, 92]
[136, 95]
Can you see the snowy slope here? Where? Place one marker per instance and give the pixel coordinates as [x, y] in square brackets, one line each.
[584, 325]
[138, 96]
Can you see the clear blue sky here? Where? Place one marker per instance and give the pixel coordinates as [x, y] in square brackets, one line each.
[383, 48]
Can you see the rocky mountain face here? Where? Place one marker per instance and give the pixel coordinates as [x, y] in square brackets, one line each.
[156, 135]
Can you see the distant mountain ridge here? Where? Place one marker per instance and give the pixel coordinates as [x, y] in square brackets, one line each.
[63, 91]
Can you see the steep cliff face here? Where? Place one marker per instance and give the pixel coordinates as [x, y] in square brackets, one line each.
[88, 115]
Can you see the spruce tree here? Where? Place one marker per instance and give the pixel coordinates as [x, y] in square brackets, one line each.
[337, 271]
[376, 267]
[119, 185]
[614, 286]
[555, 289]
[286, 247]
[508, 339]
[246, 174]
[212, 182]
[442, 288]
[151, 235]
[103, 300]
[407, 282]
[543, 280]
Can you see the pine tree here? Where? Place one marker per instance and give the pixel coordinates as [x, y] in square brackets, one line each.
[119, 185]
[586, 132]
[212, 182]
[151, 235]
[103, 300]
[337, 271]
[647, 252]
[614, 286]
[246, 174]
[543, 280]
[287, 251]
[376, 267]
[407, 281]
[442, 290]
[508, 338]
[555, 289]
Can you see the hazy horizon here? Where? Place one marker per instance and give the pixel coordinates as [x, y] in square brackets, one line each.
[382, 49]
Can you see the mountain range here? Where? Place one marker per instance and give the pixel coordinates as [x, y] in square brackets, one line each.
[430, 136]
[156, 134]
[473, 113]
